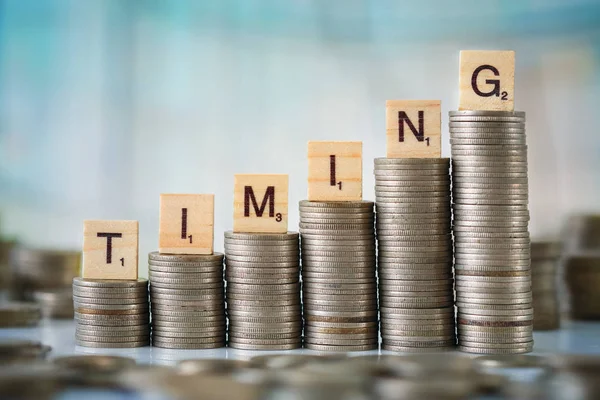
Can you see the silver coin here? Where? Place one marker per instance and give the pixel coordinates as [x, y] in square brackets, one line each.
[109, 283]
[253, 346]
[187, 346]
[187, 258]
[465, 122]
[411, 161]
[110, 301]
[109, 292]
[362, 204]
[112, 320]
[413, 173]
[88, 330]
[141, 343]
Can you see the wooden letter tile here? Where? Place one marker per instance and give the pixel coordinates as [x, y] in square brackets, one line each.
[260, 203]
[413, 128]
[186, 223]
[487, 80]
[110, 250]
[334, 171]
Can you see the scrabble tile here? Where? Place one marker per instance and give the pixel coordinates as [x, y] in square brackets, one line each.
[487, 80]
[413, 128]
[186, 223]
[110, 250]
[260, 203]
[334, 171]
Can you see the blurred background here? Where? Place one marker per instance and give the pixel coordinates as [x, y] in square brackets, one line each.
[105, 104]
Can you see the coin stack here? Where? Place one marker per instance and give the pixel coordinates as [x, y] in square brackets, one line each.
[582, 279]
[35, 269]
[544, 267]
[339, 285]
[55, 303]
[414, 253]
[491, 237]
[17, 314]
[111, 313]
[262, 271]
[187, 300]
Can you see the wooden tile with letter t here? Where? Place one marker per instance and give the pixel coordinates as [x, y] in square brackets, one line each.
[186, 223]
[413, 128]
[334, 171]
[487, 80]
[110, 250]
[260, 203]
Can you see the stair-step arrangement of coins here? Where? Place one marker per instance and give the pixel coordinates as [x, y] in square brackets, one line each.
[545, 259]
[491, 236]
[187, 300]
[414, 239]
[262, 271]
[339, 284]
[111, 313]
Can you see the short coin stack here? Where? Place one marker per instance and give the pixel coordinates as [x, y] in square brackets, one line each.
[415, 253]
[491, 237]
[17, 314]
[111, 313]
[544, 269]
[262, 271]
[55, 303]
[187, 300]
[339, 276]
[582, 279]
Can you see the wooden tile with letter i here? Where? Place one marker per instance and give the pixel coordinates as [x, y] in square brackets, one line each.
[487, 80]
[413, 128]
[260, 203]
[334, 171]
[186, 223]
[110, 250]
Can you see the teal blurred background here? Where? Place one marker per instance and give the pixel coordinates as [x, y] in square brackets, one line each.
[105, 104]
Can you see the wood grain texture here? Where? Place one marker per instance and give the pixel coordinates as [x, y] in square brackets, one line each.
[495, 80]
[409, 136]
[334, 171]
[110, 249]
[186, 223]
[260, 203]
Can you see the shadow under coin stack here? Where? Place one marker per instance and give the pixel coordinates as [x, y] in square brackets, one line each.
[111, 313]
[339, 283]
[187, 300]
[491, 237]
[414, 253]
[545, 257]
[262, 271]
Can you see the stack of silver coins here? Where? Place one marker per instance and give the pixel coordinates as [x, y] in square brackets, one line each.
[545, 258]
[414, 253]
[18, 314]
[262, 271]
[491, 236]
[37, 269]
[111, 313]
[187, 300]
[582, 280]
[55, 303]
[339, 284]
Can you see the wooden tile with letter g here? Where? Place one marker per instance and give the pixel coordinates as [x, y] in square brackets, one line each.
[413, 128]
[334, 171]
[186, 223]
[110, 250]
[487, 80]
[260, 203]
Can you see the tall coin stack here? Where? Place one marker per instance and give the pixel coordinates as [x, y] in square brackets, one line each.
[339, 283]
[262, 271]
[414, 253]
[491, 237]
[545, 258]
[187, 300]
[111, 313]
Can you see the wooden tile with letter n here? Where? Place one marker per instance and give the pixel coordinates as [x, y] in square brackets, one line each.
[110, 250]
[186, 223]
[487, 80]
[334, 171]
[260, 203]
[413, 128]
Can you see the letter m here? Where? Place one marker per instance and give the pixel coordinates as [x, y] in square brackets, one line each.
[402, 118]
[249, 197]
